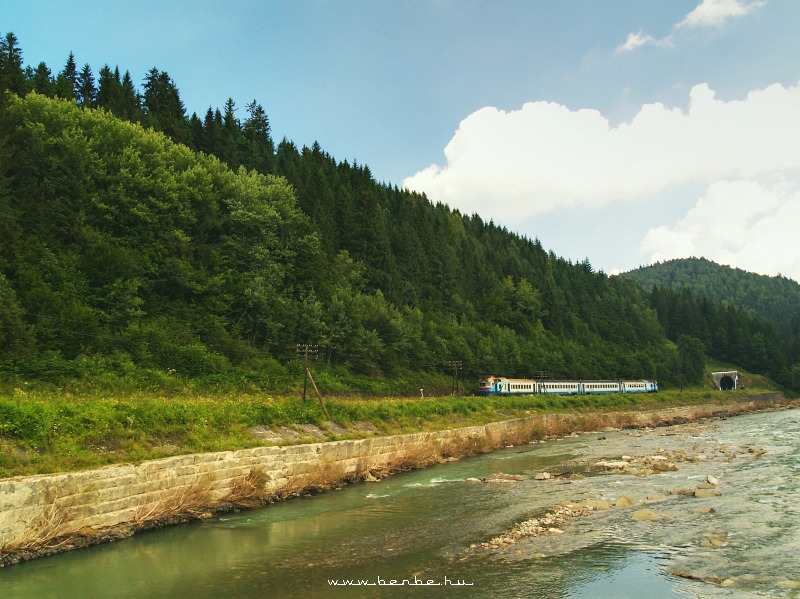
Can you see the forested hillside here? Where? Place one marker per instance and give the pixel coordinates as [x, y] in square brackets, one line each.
[777, 299]
[139, 243]
[693, 296]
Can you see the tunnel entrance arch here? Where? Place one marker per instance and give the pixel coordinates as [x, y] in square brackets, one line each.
[726, 381]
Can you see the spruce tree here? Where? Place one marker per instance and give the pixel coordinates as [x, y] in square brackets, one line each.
[41, 81]
[259, 149]
[130, 101]
[86, 92]
[230, 136]
[109, 89]
[164, 110]
[67, 80]
[12, 76]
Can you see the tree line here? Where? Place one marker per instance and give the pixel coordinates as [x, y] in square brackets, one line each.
[137, 238]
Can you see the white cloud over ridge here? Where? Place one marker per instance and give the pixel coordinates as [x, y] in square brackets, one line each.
[714, 13]
[546, 156]
[745, 224]
[513, 165]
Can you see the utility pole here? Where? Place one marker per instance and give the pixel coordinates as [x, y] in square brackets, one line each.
[305, 350]
[542, 375]
[455, 365]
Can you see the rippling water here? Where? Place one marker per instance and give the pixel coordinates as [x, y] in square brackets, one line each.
[420, 526]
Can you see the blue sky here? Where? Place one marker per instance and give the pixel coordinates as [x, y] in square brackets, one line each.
[624, 131]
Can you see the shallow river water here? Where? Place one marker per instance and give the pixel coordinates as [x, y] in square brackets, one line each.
[424, 530]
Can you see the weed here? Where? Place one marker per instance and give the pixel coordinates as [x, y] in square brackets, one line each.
[190, 501]
[250, 490]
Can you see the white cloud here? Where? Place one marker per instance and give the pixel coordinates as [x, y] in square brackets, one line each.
[637, 40]
[634, 41]
[709, 13]
[512, 165]
[714, 13]
[745, 224]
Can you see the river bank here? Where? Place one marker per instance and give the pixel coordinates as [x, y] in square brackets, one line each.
[50, 514]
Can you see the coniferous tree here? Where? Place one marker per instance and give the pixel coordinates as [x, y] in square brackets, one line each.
[12, 75]
[67, 80]
[164, 110]
[212, 132]
[259, 150]
[230, 136]
[118, 94]
[41, 81]
[196, 132]
[109, 90]
[86, 95]
[130, 101]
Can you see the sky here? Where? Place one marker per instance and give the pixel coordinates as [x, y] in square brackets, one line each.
[622, 131]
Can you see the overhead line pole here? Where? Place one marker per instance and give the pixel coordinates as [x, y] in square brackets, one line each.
[307, 350]
[455, 365]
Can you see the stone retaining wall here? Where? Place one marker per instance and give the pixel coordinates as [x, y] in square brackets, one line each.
[36, 508]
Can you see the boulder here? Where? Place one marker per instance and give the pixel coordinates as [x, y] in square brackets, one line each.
[704, 510]
[595, 504]
[626, 501]
[645, 515]
[706, 493]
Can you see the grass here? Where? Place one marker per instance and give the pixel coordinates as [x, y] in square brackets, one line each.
[45, 431]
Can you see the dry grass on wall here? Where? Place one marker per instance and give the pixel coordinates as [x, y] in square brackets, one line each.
[460, 447]
[48, 530]
[414, 457]
[249, 491]
[188, 501]
[326, 476]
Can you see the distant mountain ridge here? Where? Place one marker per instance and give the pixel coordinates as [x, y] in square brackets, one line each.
[776, 299]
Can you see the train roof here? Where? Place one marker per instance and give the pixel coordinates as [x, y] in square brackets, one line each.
[503, 379]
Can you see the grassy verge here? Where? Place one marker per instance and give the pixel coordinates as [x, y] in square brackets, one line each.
[43, 432]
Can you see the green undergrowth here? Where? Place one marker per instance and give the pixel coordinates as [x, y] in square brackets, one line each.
[51, 432]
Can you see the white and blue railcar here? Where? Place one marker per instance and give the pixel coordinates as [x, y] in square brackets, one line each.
[496, 385]
[560, 387]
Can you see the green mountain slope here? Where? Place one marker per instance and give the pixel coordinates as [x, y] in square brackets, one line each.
[776, 299]
[125, 246]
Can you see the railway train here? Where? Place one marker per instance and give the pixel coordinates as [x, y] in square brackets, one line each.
[497, 385]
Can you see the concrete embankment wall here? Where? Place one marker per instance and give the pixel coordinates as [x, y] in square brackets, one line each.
[40, 511]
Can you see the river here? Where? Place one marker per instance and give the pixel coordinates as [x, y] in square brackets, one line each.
[420, 534]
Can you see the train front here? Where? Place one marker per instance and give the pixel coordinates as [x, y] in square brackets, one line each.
[486, 386]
